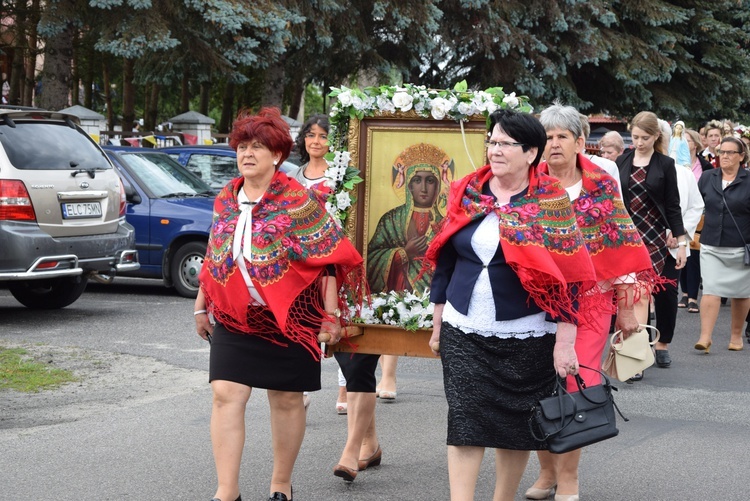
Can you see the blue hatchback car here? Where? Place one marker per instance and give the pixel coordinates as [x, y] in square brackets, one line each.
[171, 210]
[215, 164]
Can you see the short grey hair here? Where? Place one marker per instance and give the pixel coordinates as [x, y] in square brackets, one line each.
[613, 139]
[558, 116]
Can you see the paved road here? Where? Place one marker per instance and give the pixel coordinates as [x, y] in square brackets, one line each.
[136, 427]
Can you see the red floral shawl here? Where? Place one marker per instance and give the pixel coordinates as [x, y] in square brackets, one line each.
[612, 240]
[294, 242]
[538, 236]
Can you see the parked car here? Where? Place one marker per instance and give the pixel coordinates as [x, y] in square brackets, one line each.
[171, 210]
[62, 209]
[215, 164]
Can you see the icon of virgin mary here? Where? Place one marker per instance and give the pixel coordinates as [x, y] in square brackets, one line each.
[421, 176]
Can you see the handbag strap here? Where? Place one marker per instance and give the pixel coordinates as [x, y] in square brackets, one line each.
[733, 219]
[616, 334]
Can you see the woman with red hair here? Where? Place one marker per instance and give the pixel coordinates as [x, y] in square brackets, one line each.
[275, 265]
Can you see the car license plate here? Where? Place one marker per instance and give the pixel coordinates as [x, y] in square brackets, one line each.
[81, 210]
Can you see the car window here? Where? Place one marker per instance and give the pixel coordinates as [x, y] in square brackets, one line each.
[216, 170]
[162, 176]
[36, 145]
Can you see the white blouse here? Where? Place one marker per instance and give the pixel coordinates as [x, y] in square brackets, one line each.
[480, 317]
[242, 250]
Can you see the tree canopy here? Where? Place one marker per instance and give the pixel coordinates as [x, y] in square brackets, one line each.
[684, 59]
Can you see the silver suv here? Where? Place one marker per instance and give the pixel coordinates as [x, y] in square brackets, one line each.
[62, 209]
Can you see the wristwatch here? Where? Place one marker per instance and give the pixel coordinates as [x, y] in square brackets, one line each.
[335, 313]
[682, 243]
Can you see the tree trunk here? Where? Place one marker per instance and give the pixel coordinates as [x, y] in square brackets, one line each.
[185, 93]
[108, 95]
[88, 81]
[16, 77]
[297, 94]
[205, 97]
[147, 125]
[273, 92]
[75, 76]
[128, 95]
[227, 109]
[27, 96]
[152, 112]
[56, 73]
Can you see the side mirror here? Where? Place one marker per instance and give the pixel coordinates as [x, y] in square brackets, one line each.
[131, 195]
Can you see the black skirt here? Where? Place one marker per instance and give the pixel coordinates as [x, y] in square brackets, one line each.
[491, 385]
[359, 370]
[259, 363]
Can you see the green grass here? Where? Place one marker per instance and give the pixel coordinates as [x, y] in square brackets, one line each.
[19, 372]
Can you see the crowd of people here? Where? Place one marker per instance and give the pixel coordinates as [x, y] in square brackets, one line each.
[540, 254]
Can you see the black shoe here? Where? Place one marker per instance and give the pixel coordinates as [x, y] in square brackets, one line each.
[662, 359]
[280, 496]
[239, 498]
[636, 377]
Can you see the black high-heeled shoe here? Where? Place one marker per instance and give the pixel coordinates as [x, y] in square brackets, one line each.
[280, 496]
[239, 498]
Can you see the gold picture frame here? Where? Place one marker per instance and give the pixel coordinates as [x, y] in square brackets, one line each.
[387, 149]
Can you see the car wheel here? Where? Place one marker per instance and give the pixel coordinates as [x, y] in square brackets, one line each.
[186, 266]
[49, 294]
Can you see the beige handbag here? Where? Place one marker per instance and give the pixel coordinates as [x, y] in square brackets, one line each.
[628, 357]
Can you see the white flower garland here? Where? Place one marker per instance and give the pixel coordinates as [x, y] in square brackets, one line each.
[402, 309]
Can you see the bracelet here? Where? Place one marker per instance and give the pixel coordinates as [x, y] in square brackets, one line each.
[200, 312]
[682, 243]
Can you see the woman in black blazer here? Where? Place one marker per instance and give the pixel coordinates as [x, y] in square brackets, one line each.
[649, 188]
[726, 193]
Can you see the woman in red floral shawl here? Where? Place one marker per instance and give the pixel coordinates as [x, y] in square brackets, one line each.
[620, 259]
[274, 268]
[510, 269]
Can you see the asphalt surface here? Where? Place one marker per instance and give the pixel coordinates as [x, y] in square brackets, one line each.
[136, 425]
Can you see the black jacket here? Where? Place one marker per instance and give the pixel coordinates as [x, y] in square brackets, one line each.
[718, 228]
[661, 186]
[705, 164]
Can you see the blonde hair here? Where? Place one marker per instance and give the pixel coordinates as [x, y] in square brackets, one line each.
[696, 138]
[666, 131]
[612, 139]
[648, 122]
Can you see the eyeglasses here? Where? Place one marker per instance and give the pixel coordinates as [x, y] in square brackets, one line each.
[503, 145]
[727, 152]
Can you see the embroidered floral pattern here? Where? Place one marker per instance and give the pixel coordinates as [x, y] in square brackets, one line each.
[286, 227]
[529, 221]
[601, 215]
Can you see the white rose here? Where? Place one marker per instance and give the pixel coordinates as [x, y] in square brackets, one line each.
[345, 98]
[511, 100]
[378, 301]
[357, 103]
[385, 104]
[464, 108]
[439, 107]
[403, 101]
[343, 200]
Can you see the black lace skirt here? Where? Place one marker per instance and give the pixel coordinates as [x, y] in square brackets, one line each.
[491, 384]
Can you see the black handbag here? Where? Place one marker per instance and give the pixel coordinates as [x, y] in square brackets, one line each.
[569, 421]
